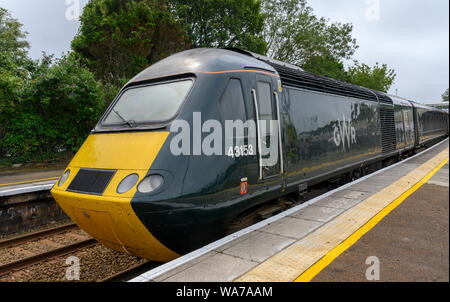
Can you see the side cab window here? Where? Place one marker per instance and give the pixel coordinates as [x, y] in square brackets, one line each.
[232, 102]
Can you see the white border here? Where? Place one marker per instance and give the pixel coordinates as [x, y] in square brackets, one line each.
[164, 268]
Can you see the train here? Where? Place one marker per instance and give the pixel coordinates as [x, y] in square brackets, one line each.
[201, 137]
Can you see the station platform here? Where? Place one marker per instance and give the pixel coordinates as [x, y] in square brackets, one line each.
[13, 183]
[398, 216]
[25, 200]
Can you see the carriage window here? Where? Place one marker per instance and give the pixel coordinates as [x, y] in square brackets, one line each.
[152, 103]
[232, 102]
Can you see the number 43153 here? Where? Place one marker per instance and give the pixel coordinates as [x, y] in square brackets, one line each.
[240, 151]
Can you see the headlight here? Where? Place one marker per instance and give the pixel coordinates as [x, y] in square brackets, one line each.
[127, 183]
[63, 178]
[150, 183]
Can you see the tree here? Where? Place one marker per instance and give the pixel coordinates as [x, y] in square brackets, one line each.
[13, 67]
[326, 66]
[13, 45]
[45, 105]
[60, 104]
[294, 34]
[377, 77]
[222, 23]
[120, 38]
[445, 96]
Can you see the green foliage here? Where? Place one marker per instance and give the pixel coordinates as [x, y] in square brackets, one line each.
[11, 84]
[294, 34]
[10, 87]
[120, 38]
[13, 47]
[222, 23]
[117, 39]
[46, 106]
[326, 66]
[13, 67]
[445, 96]
[26, 134]
[58, 108]
[377, 77]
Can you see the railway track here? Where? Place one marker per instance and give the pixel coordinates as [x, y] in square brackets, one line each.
[23, 263]
[41, 257]
[37, 235]
[10, 246]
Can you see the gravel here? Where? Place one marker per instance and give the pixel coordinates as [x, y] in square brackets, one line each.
[96, 263]
[39, 246]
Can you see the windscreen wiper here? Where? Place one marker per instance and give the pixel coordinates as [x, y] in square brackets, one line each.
[130, 123]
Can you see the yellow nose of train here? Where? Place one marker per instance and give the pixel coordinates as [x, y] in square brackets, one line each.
[108, 216]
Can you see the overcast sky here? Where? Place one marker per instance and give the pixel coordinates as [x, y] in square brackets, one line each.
[411, 36]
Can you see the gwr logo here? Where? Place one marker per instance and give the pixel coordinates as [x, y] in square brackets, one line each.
[344, 134]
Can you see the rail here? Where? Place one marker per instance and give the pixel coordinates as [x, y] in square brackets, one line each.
[23, 263]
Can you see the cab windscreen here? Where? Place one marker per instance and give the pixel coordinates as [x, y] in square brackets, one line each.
[147, 104]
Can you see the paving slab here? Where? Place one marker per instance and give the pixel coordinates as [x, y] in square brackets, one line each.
[259, 247]
[368, 188]
[179, 269]
[235, 241]
[218, 268]
[351, 194]
[317, 213]
[292, 227]
[382, 179]
[337, 203]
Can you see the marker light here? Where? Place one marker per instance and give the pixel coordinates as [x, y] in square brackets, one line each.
[127, 183]
[150, 183]
[63, 178]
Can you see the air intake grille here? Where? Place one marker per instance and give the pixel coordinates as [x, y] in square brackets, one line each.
[384, 98]
[91, 181]
[303, 79]
[388, 139]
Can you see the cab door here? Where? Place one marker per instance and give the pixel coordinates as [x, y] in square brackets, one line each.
[266, 102]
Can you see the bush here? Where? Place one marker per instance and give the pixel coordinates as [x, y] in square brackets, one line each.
[59, 106]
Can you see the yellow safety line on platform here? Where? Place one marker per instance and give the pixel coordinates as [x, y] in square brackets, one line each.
[314, 270]
[28, 181]
[312, 253]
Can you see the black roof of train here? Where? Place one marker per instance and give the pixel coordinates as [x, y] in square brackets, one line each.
[201, 60]
[401, 100]
[215, 60]
[292, 75]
